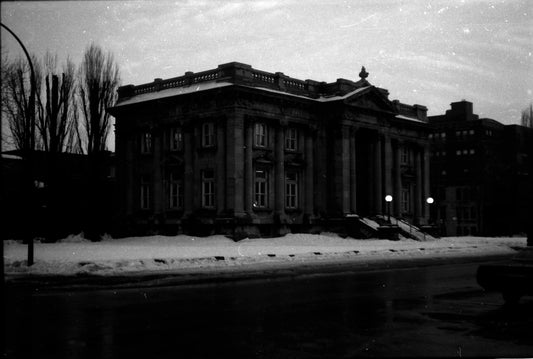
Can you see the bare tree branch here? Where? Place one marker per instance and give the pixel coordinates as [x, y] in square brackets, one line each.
[99, 79]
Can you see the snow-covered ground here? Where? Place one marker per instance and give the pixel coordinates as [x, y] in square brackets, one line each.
[137, 255]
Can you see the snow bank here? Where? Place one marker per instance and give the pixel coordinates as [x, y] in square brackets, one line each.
[75, 255]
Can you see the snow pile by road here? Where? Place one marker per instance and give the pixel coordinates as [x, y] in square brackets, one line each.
[76, 256]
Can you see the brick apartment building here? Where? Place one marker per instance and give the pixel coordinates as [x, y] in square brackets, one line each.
[480, 173]
[258, 153]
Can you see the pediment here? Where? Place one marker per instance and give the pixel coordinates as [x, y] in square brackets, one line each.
[370, 99]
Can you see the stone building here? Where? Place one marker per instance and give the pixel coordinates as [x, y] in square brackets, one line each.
[235, 149]
[480, 173]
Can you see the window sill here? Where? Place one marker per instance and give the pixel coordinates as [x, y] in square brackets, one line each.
[293, 210]
[262, 209]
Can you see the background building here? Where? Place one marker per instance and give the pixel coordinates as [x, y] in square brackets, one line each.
[480, 173]
[57, 203]
[243, 150]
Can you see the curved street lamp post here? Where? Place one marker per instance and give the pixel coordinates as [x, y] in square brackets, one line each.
[29, 143]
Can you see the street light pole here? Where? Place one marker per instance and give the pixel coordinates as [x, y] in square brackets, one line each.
[429, 201]
[29, 143]
[388, 199]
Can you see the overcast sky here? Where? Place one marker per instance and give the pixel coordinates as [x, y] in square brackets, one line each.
[425, 52]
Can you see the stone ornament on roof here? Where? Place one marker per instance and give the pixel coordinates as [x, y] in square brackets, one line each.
[363, 74]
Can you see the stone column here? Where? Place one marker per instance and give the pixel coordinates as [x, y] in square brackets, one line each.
[221, 167]
[425, 174]
[128, 173]
[345, 192]
[279, 170]
[397, 179]
[188, 189]
[378, 184]
[235, 163]
[157, 185]
[248, 167]
[353, 171]
[418, 185]
[388, 166]
[309, 172]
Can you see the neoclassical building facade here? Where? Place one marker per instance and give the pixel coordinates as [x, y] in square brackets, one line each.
[239, 150]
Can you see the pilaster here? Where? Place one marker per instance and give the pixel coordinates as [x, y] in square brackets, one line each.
[235, 163]
[248, 167]
[279, 170]
[397, 201]
[378, 178]
[309, 172]
[353, 171]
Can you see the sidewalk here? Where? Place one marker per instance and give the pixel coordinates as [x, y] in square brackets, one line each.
[158, 256]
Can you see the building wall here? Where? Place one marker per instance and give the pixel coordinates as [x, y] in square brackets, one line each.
[347, 157]
[480, 173]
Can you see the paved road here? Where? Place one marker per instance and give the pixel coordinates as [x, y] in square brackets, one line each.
[431, 311]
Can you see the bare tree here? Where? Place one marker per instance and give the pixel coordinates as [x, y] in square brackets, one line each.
[98, 81]
[527, 116]
[58, 117]
[16, 89]
[97, 89]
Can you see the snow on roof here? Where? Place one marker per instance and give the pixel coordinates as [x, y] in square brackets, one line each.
[320, 99]
[11, 157]
[204, 86]
[402, 117]
[175, 91]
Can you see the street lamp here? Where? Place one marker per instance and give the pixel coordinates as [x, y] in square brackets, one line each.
[29, 143]
[388, 199]
[429, 201]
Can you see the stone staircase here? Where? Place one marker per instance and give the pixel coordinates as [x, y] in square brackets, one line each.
[365, 227]
[408, 230]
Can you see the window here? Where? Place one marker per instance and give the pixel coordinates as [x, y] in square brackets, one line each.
[176, 139]
[406, 200]
[208, 189]
[471, 132]
[208, 134]
[146, 142]
[145, 192]
[175, 192]
[291, 139]
[261, 189]
[472, 151]
[405, 155]
[260, 135]
[443, 135]
[458, 152]
[291, 190]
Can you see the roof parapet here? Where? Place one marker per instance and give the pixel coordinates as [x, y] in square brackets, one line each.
[240, 73]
